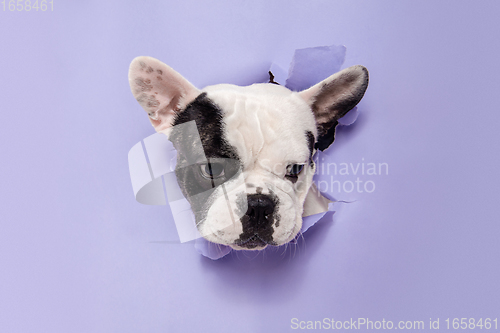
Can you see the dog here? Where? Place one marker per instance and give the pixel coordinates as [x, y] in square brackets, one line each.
[245, 164]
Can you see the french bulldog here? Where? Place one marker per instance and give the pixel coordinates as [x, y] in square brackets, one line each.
[246, 165]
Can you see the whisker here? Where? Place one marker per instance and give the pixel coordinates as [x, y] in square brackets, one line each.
[304, 241]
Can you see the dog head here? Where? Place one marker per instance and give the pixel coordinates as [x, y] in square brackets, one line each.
[245, 162]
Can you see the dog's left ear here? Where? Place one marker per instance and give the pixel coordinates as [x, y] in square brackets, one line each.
[161, 91]
[332, 98]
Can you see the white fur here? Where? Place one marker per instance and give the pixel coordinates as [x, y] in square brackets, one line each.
[266, 124]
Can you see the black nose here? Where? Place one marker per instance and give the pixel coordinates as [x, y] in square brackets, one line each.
[260, 208]
[258, 221]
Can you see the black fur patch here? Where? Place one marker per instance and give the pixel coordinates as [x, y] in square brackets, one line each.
[310, 142]
[310, 145]
[208, 118]
[326, 139]
[190, 158]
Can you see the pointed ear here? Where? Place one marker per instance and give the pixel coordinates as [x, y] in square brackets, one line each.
[160, 90]
[332, 98]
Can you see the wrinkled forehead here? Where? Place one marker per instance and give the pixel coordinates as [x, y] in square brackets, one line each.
[269, 97]
[265, 121]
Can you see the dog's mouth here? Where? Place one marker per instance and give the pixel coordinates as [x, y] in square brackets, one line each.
[253, 243]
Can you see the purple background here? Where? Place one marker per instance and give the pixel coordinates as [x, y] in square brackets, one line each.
[78, 254]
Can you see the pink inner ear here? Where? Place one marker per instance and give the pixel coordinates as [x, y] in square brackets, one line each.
[160, 90]
[308, 94]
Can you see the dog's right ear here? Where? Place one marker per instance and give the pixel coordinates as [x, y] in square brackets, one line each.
[160, 90]
[332, 98]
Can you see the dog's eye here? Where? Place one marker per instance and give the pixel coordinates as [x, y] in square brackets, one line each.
[293, 170]
[212, 170]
